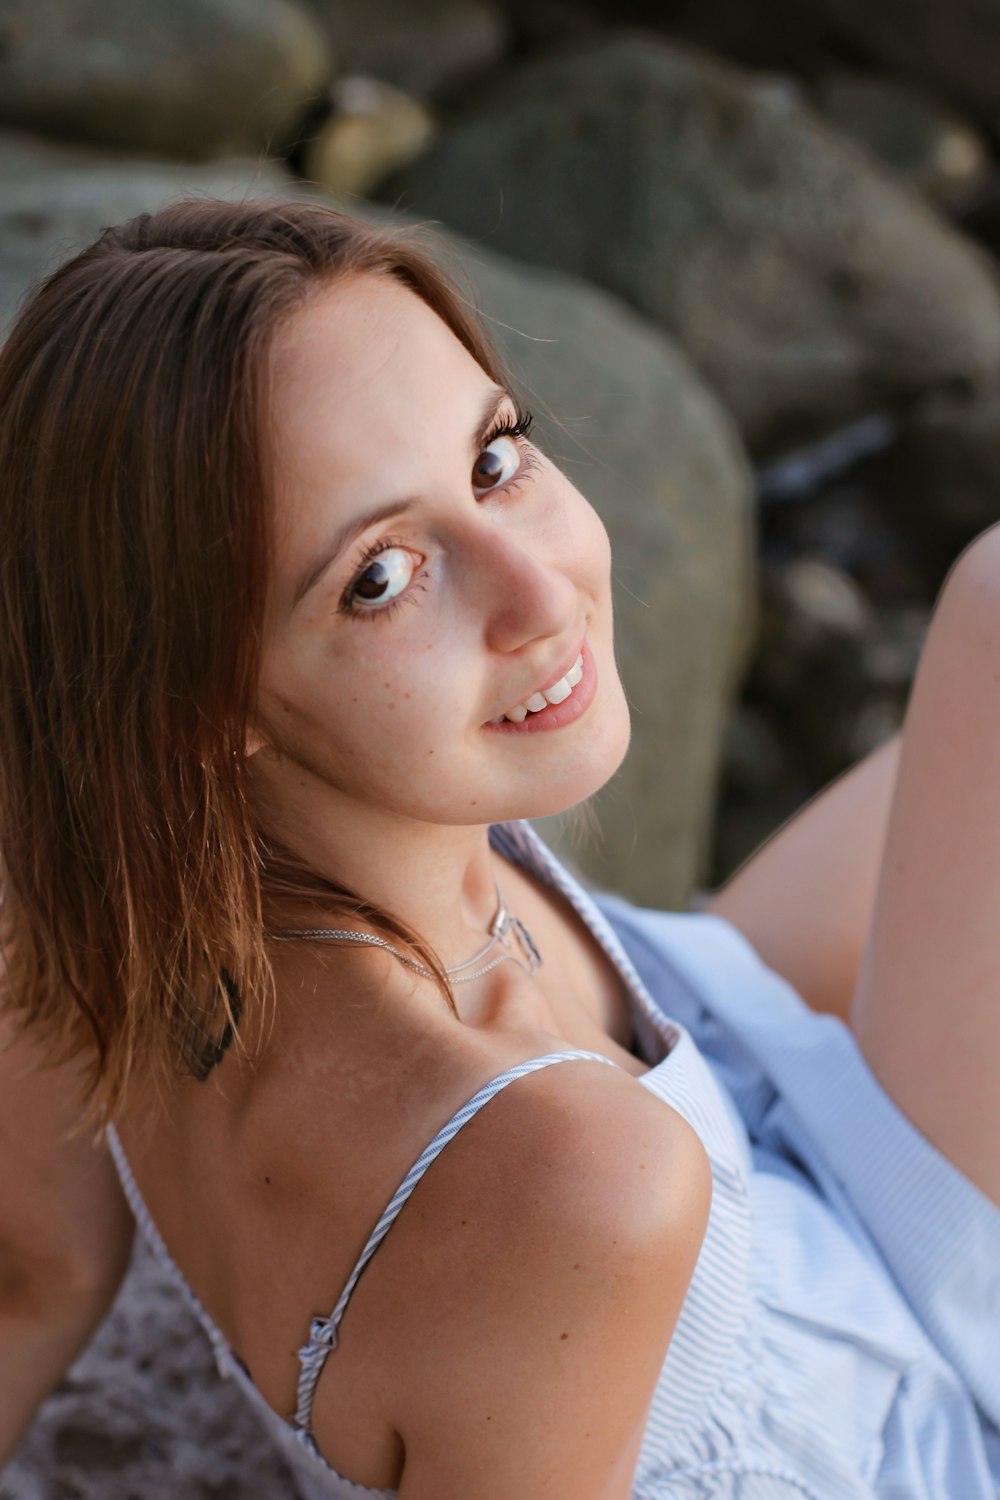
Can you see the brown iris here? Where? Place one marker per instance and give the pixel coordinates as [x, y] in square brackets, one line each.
[488, 469]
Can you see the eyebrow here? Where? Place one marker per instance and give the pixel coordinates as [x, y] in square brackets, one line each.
[344, 535]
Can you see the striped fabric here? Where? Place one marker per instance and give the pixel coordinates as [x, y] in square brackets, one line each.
[840, 1338]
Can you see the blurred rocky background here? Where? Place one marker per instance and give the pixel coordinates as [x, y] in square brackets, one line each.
[740, 256]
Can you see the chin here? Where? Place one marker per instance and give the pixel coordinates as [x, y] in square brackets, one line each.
[573, 785]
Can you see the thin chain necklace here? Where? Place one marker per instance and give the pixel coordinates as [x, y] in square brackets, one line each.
[504, 927]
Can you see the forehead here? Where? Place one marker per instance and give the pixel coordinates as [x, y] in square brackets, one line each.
[343, 363]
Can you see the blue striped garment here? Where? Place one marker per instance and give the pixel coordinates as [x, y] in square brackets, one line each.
[840, 1338]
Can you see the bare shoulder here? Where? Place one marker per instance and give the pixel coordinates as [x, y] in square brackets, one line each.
[567, 1217]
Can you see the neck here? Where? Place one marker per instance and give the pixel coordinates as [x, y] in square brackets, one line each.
[440, 879]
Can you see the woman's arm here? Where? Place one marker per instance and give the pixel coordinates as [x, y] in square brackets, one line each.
[804, 898]
[65, 1235]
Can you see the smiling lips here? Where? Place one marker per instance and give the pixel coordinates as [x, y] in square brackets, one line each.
[557, 693]
[555, 706]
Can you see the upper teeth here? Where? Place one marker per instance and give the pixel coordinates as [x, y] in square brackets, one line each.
[557, 693]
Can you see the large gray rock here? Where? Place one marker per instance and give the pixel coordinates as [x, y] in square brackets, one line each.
[931, 147]
[942, 475]
[783, 34]
[952, 45]
[622, 410]
[807, 283]
[195, 77]
[426, 47]
[55, 199]
[375, 128]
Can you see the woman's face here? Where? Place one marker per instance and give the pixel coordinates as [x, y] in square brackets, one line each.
[432, 571]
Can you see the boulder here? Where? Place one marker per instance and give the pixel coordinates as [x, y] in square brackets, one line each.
[761, 785]
[942, 476]
[768, 34]
[425, 47]
[806, 281]
[931, 147]
[55, 199]
[192, 77]
[809, 667]
[953, 46]
[374, 129]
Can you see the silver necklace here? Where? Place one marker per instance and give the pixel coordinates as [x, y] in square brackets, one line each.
[504, 927]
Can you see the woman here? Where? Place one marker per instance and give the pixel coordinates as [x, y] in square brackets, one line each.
[481, 1186]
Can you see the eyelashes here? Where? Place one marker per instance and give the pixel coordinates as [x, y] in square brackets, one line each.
[518, 429]
[504, 427]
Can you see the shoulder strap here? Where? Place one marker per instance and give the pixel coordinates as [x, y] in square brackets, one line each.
[323, 1331]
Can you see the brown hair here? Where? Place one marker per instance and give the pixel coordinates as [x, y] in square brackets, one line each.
[135, 538]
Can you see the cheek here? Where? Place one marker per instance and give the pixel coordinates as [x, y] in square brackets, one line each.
[591, 543]
[382, 707]
[578, 518]
[601, 540]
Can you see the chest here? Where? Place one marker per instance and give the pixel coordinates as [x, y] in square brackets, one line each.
[582, 996]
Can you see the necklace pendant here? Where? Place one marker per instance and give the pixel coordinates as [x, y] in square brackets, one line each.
[527, 944]
[506, 925]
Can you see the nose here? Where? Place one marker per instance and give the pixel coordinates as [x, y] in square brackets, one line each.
[524, 587]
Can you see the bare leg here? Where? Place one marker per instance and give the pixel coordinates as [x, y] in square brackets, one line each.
[805, 898]
[926, 1009]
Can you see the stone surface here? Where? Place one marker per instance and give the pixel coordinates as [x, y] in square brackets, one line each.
[847, 524]
[193, 77]
[942, 476]
[804, 279]
[933, 149]
[425, 47]
[951, 45]
[761, 785]
[785, 34]
[55, 199]
[375, 128]
[809, 669]
[633, 425]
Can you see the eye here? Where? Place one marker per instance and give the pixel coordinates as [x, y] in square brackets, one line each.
[385, 574]
[497, 463]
